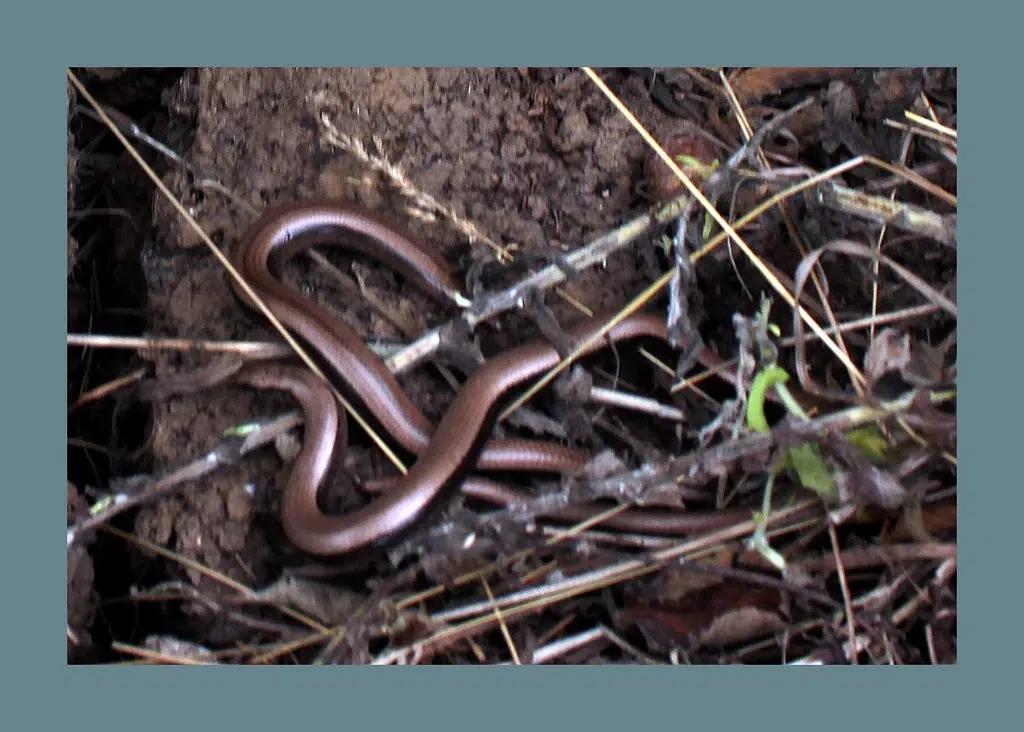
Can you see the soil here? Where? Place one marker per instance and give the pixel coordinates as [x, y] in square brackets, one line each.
[536, 159]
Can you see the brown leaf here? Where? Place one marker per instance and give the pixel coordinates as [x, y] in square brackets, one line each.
[172, 647]
[916, 362]
[758, 83]
[871, 485]
[720, 615]
[888, 352]
[843, 108]
[861, 482]
[932, 422]
[674, 583]
[933, 518]
[741, 625]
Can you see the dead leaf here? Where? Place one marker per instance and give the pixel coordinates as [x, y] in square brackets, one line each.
[861, 482]
[888, 352]
[757, 83]
[171, 647]
[720, 615]
[933, 519]
[917, 363]
[869, 484]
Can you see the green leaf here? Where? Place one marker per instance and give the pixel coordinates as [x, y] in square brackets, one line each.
[709, 226]
[870, 441]
[812, 470]
[763, 381]
[806, 459]
[688, 161]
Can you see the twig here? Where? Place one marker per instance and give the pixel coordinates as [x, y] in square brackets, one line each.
[534, 599]
[138, 490]
[707, 463]
[899, 215]
[864, 557]
[248, 349]
[597, 252]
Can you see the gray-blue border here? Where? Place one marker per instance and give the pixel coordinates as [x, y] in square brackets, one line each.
[45, 39]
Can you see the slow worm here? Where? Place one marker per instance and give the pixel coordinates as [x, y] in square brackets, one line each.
[446, 463]
[284, 231]
[461, 442]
